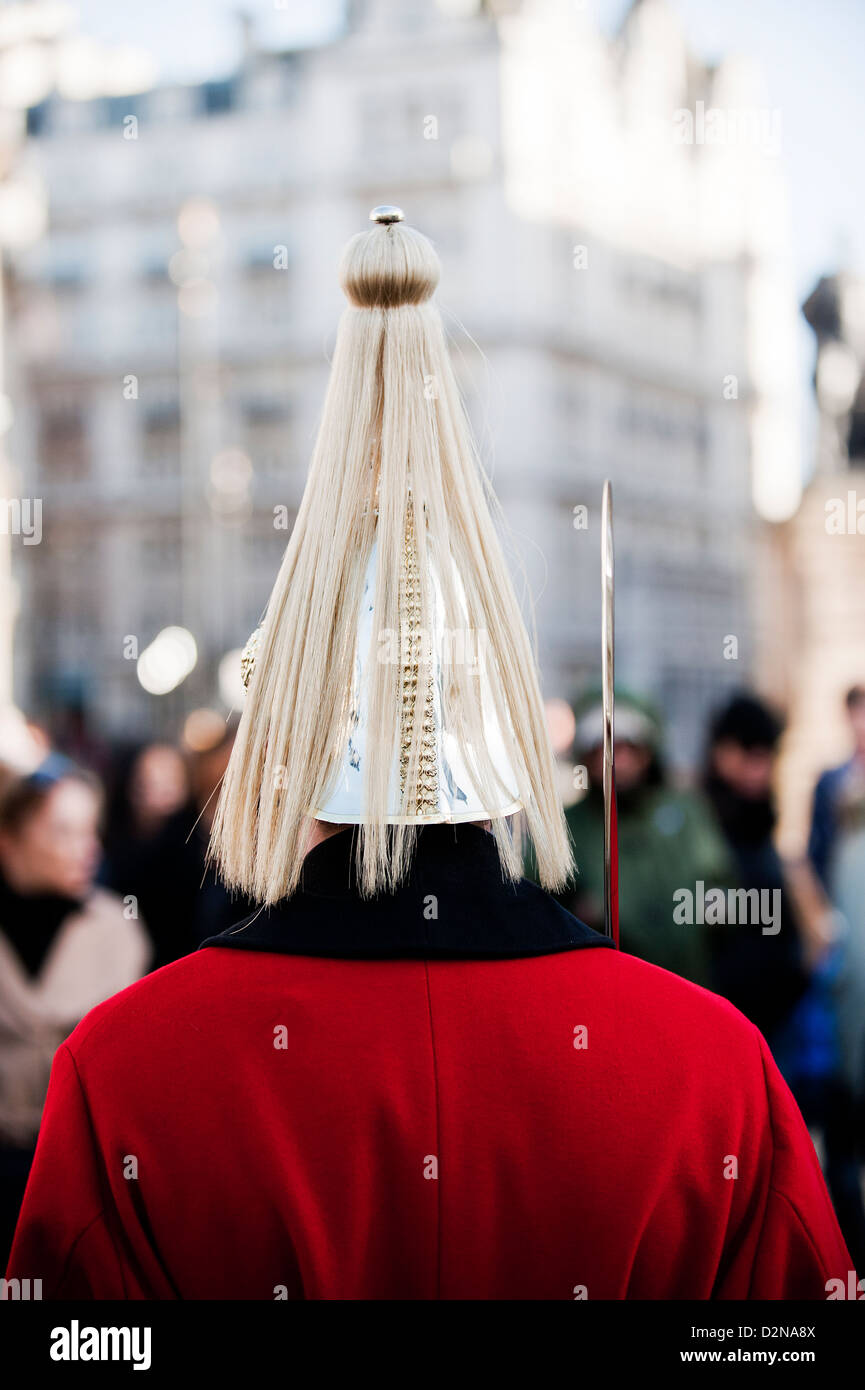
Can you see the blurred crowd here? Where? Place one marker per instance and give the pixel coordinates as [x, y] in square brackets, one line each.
[787, 947]
[104, 876]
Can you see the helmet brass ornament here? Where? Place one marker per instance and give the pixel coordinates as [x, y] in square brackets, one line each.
[387, 213]
[392, 683]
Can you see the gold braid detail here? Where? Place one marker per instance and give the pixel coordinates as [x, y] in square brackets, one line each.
[424, 798]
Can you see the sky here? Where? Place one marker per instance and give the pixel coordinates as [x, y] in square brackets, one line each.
[812, 55]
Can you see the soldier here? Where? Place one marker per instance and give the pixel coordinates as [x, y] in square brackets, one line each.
[411, 1074]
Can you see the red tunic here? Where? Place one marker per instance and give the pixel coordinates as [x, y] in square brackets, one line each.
[561, 1122]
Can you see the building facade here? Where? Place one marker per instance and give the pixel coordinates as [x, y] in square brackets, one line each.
[617, 273]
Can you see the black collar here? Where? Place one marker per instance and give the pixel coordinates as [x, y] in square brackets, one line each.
[453, 904]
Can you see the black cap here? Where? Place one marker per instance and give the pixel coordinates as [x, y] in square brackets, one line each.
[747, 721]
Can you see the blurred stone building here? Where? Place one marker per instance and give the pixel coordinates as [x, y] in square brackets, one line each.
[612, 225]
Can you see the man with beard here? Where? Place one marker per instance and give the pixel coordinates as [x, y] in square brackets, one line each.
[784, 987]
[763, 974]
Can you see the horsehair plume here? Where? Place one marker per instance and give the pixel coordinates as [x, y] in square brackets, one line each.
[394, 436]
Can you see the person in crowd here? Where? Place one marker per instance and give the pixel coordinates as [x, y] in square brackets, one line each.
[65, 945]
[667, 841]
[836, 788]
[846, 885]
[757, 965]
[182, 898]
[149, 785]
[783, 980]
[836, 849]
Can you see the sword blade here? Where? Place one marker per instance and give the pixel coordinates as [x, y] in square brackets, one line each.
[608, 661]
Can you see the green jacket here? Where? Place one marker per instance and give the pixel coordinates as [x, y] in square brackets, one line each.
[667, 841]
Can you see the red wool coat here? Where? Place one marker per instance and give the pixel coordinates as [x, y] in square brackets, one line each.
[459, 1092]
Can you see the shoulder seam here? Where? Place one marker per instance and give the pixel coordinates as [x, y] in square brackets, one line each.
[103, 1012]
[777, 1192]
[101, 1215]
[772, 1189]
[769, 1187]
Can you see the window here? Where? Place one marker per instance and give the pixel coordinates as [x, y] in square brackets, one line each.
[160, 451]
[217, 97]
[38, 119]
[64, 449]
[160, 552]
